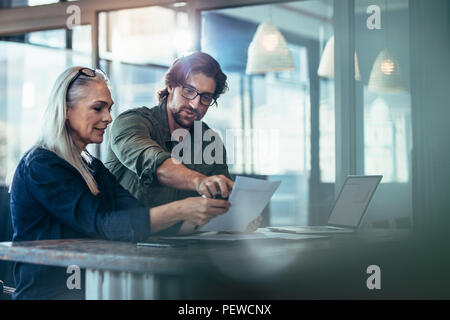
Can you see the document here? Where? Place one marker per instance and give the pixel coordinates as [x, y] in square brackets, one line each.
[259, 234]
[248, 199]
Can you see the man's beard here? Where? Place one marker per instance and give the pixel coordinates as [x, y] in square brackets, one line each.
[182, 121]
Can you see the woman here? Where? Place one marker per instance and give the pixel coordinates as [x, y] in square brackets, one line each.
[60, 191]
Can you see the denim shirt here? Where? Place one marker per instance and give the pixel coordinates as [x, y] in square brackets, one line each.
[51, 200]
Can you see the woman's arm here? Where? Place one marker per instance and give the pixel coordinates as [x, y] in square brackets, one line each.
[59, 190]
[196, 210]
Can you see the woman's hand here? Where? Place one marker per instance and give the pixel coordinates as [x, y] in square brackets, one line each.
[199, 210]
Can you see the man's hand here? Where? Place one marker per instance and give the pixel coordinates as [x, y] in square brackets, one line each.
[179, 177]
[213, 185]
[199, 211]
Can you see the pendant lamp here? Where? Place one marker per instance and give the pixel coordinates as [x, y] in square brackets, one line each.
[268, 51]
[326, 66]
[386, 76]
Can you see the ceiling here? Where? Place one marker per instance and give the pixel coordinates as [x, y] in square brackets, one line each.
[311, 18]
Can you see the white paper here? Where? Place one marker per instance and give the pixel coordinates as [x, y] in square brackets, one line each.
[248, 199]
[214, 236]
[259, 234]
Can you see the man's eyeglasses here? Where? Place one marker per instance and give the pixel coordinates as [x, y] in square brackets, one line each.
[85, 72]
[190, 93]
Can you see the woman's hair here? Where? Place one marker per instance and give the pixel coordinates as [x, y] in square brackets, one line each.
[56, 132]
[193, 63]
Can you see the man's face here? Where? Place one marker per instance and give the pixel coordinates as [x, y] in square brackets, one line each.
[185, 111]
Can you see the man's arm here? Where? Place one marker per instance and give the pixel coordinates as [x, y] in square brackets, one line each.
[133, 146]
[173, 173]
[176, 175]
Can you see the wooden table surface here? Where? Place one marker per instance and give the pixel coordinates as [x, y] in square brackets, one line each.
[332, 268]
[122, 256]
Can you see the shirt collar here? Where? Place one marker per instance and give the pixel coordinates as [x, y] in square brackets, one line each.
[165, 129]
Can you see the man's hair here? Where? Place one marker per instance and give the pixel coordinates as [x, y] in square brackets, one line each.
[193, 63]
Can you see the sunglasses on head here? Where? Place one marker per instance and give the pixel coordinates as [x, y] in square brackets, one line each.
[87, 72]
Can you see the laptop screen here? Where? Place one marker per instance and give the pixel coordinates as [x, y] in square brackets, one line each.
[353, 200]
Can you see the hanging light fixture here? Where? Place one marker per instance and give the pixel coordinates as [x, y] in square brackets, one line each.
[326, 66]
[386, 76]
[268, 51]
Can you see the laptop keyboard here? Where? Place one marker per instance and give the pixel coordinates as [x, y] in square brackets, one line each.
[310, 229]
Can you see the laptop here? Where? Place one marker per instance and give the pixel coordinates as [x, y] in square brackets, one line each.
[348, 210]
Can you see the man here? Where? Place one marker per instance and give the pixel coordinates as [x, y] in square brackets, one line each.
[141, 151]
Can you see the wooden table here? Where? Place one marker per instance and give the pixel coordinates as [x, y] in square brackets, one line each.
[333, 267]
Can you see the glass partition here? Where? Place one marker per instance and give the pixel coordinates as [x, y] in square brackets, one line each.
[24, 3]
[279, 125]
[29, 65]
[383, 103]
[137, 46]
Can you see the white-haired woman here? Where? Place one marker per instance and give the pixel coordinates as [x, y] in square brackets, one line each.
[60, 191]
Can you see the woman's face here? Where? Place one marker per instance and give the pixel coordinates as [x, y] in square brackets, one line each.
[91, 114]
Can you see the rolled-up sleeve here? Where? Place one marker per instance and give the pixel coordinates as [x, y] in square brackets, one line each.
[132, 144]
[64, 195]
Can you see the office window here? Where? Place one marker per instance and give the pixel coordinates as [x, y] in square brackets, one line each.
[272, 113]
[49, 38]
[152, 35]
[386, 142]
[327, 151]
[30, 64]
[25, 3]
[137, 46]
[383, 103]
[226, 119]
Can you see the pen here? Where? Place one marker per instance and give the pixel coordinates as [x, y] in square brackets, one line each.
[154, 244]
[217, 196]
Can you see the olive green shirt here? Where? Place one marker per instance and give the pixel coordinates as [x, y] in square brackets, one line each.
[140, 141]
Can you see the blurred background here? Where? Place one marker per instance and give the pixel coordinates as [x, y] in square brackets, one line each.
[381, 108]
